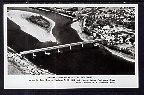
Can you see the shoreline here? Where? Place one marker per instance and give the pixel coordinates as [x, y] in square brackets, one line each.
[84, 61]
[30, 28]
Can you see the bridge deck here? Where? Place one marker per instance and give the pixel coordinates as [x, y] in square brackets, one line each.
[59, 47]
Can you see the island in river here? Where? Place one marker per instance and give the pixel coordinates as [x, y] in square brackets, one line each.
[93, 60]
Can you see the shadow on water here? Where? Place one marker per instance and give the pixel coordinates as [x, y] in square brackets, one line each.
[62, 29]
[93, 60]
[21, 41]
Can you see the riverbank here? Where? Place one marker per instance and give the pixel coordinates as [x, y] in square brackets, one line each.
[62, 31]
[18, 65]
[93, 60]
[20, 18]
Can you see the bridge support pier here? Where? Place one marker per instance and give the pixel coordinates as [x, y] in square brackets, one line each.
[70, 47]
[58, 50]
[82, 45]
[47, 53]
[96, 44]
[34, 55]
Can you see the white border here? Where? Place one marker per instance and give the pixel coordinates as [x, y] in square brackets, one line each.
[21, 81]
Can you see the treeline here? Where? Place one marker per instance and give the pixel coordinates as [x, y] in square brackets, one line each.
[114, 47]
[40, 21]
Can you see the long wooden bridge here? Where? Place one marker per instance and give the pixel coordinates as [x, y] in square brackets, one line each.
[47, 50]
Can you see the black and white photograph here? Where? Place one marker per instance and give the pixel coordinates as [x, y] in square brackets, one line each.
[71, 39]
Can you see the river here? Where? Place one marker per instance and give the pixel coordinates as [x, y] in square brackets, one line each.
[93, 60]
